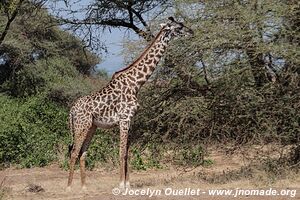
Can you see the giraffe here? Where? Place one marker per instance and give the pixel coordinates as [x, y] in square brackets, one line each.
[116, 103]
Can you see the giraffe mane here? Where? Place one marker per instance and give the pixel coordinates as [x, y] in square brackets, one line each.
[139, 58]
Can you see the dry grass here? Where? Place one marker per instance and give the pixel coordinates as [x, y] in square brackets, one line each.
[228, 171]
[4, 190]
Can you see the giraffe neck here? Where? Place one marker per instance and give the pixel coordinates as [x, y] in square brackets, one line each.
[136, 74]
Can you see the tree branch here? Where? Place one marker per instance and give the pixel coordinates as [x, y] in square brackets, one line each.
[10, 20]
[149, 35]
[205, 72]
[109, 22]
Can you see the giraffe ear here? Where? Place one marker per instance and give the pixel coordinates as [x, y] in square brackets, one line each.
[171, 19]
[163, 25]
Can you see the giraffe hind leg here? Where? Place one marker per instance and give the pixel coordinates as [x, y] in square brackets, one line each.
[77, 145]
[82, 155]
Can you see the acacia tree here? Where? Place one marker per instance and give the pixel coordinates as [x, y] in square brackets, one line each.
[33, 40]
[107, 14]
[241, 50]
[11, 9]
[259, 36]
[290, 34]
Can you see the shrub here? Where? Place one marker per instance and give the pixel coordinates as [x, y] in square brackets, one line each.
[104, 148]
[31, 131]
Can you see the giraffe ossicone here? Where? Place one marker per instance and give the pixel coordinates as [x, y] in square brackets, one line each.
[116, 103]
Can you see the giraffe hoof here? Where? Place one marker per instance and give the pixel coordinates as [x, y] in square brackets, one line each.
[123, 185]
[68, 189]
[127, 185]
[84, 188]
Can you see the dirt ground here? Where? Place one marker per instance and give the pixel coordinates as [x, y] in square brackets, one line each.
[50, 183]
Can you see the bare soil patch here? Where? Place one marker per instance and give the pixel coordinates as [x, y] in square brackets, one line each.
[50, 182]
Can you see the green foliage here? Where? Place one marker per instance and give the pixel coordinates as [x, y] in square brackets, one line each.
[103, 149]
[230, 112]
[142, 159]
[102, 74]
[8, 6]
[35, 42]
[31, 130]
[56, 77]
[190, 155]
[137, 160]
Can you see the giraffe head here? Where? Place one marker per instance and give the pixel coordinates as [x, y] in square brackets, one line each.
[176, 29]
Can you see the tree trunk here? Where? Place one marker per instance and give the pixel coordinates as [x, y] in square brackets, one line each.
[259, 71]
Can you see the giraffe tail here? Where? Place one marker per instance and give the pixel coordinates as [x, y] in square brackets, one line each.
[70, 149]
[71, 127]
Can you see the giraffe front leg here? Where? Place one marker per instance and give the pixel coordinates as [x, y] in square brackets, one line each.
[124, 147]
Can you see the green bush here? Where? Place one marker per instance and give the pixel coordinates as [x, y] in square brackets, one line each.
[56, 77]
[137, 160]
[31, 131]
[142, 158]
[104, 148]
[190, 156]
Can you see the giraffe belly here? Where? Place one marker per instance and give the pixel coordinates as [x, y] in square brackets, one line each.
[105, 124]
